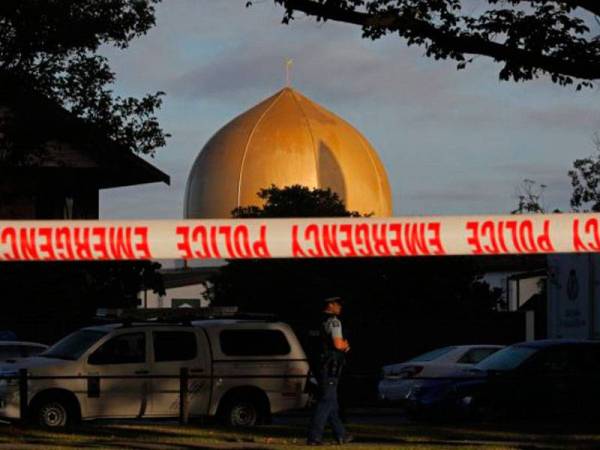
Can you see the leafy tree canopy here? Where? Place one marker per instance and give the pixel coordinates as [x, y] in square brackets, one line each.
[585, 180]
[52, 46]
[296, 201]
[529, 38]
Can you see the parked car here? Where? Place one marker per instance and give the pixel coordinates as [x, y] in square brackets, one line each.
[539, 378]
[247, 369]
[12, 351]
[398, 380]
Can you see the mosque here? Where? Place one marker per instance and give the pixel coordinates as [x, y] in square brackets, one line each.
[284, 140]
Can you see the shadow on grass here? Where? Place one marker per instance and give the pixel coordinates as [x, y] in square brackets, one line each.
[168, 435]
[122, 435]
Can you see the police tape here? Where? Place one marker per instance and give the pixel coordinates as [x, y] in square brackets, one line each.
[298, 237]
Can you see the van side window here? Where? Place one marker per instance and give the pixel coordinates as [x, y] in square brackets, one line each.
[254, 343]
[123, 349]
[174, 345]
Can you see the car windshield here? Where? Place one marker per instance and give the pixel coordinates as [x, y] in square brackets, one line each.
[433, 354]
[74, 345]
[507, 358]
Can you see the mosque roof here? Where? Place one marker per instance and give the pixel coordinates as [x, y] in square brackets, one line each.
[284, 140]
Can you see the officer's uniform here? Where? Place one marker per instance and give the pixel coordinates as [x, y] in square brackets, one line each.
[331, 362]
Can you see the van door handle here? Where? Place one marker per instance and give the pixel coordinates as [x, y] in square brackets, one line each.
[142, 372]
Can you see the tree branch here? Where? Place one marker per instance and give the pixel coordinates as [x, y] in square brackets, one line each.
[592, 6]
[453, 42]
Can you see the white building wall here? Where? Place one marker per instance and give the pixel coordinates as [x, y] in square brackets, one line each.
[194, 291]
[521, 290]
[571, 300]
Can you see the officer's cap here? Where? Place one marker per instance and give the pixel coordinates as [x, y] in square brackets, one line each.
[337, 300]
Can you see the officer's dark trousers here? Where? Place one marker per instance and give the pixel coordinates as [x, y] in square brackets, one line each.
[327, 410]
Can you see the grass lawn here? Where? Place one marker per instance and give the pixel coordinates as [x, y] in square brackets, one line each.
[169, 436]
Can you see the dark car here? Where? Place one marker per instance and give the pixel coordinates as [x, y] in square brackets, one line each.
[530, 379]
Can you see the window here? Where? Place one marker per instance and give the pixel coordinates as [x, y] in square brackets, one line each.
[123, 349]
[508, 358]
[174, 345]
[556, 360]
[433, 354]
[254, 343]
[476, 355]
[74, 345]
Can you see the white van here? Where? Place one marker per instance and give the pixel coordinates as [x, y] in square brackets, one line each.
[240, 370]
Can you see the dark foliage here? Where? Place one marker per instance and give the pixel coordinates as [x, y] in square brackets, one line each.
[45, 301]
[585, 179]
[52, 47]
[296, 201]
[528, 37]
[379, 293]
[529, 194]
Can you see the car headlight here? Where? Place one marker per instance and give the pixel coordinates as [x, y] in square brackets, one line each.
[466, 400]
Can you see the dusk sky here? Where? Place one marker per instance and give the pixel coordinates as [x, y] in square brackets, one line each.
[453, 142]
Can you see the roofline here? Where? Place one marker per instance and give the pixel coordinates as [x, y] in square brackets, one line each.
[104, 147]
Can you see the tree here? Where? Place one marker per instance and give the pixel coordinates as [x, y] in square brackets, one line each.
[585, 179]
[52, 46]
[314, 277]
[385, 297]
[529, 38]
[45, 301]
[296, 201]
[530, 195]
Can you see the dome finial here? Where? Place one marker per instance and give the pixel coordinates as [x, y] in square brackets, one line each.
[289, 62]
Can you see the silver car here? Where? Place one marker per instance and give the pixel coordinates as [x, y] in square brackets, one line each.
[12, 351]
[399, 380]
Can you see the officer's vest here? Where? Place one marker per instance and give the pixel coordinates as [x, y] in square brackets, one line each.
[332, 360]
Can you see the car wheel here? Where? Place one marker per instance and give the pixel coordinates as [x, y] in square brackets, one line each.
[52, 414]
[241, 413]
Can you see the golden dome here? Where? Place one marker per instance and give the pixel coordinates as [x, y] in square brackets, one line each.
[286, 139]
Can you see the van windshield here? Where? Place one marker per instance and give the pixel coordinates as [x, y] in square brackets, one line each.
[74, 345]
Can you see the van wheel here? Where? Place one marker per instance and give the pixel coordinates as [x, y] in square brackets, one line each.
[241, 413]
[53, 411]
[52, 414]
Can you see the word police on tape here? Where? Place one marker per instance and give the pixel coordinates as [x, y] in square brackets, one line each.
[298, 238]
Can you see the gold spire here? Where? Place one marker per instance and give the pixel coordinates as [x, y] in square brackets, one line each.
[289, 62]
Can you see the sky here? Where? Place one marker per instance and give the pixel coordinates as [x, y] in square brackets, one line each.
[452, 142]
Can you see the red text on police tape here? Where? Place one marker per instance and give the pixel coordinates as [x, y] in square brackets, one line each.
[367, 239]
[586, 235]
[487, 237]
[74, 243]
[221, 241]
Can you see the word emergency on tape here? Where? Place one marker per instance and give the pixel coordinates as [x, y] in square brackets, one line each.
[298, 238]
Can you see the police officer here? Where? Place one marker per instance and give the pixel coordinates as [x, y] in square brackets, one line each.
[331, 361]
